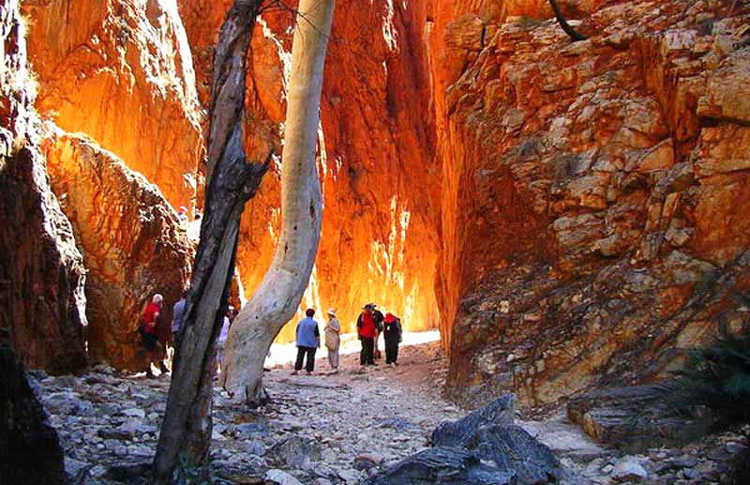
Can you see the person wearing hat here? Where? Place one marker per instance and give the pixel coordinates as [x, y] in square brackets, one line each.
[333, 339]
[367, 332]
[392, 335]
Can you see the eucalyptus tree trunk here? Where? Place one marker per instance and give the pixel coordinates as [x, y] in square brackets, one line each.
[277, 298]
[186, 429]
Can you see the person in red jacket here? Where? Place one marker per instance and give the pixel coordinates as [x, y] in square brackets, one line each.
[367, 332]
[150, 333]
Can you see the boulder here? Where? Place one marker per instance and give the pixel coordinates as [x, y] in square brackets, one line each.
[479, 448]
[628, 469]
[512, 448]
[295, 452]
[632, 418]
[133, 245]
[280, 477]
[460, 433]
[447, 466]
[30, 451]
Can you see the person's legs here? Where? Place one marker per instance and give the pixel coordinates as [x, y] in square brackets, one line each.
[300, 357]
[395, 352]
[388, 351]
[369, 344]
[311, 359]
[335, 359]
[149, 342]
[362, 352]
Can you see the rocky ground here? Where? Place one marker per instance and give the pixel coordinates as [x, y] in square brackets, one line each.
[327, 428]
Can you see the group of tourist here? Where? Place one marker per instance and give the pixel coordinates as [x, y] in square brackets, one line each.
[371, 323]
[154, 344]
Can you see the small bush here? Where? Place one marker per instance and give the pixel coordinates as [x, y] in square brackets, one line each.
[715, 379]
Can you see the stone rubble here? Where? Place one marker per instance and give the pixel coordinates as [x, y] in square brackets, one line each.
[327, 429]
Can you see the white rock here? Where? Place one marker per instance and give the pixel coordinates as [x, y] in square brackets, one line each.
[135, 413]
[281, 478]
[628, 469]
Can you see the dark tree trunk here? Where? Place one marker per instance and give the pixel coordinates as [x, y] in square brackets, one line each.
[186, 430]
[572, 33]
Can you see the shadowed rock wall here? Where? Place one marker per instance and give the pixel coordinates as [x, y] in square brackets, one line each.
[42, 276]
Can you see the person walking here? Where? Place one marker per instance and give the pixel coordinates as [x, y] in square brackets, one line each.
[308, 341]
[392, 335]
[178, 311]
[333, 339]
[367, 333]
[149, 333]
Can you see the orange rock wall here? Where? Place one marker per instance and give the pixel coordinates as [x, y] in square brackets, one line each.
[377, 166]
[568, 215]
[587, 231]
[121, 72]
[132, 244]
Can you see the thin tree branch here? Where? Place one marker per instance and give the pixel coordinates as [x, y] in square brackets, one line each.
[572, 33]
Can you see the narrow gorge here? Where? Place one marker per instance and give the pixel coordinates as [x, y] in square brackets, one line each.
[571, 216]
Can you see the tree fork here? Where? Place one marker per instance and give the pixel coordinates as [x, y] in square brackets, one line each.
[186, 429]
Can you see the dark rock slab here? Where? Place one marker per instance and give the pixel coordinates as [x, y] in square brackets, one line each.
[459, 433]
[633, 418]
[29, 447]
[444, 466]
[512, 448]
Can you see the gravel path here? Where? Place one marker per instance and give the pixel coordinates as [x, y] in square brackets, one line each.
[322, 429]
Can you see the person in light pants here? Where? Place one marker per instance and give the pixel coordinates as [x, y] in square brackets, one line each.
[333, 339]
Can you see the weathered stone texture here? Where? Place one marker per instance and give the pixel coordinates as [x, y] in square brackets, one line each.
[41, 273]
[595, 208]
[121, 72]
[132, 244]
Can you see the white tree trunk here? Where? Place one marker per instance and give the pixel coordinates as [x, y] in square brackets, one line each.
[277, 298]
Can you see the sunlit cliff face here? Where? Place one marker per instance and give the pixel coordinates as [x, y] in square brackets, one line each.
[376, 165]
[121, 71]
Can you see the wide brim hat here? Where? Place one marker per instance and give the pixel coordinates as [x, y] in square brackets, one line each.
[331, 311]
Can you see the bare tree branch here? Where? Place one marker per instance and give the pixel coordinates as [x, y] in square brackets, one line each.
[572, 33]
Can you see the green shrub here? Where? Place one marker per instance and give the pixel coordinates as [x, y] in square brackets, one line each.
[715, 382]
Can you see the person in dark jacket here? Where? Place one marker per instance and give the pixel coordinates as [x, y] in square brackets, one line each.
[367, 332]
[308, 341]
[392, 334]
[377, 315]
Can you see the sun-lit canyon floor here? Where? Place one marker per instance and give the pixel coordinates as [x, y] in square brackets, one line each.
[328, 428]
